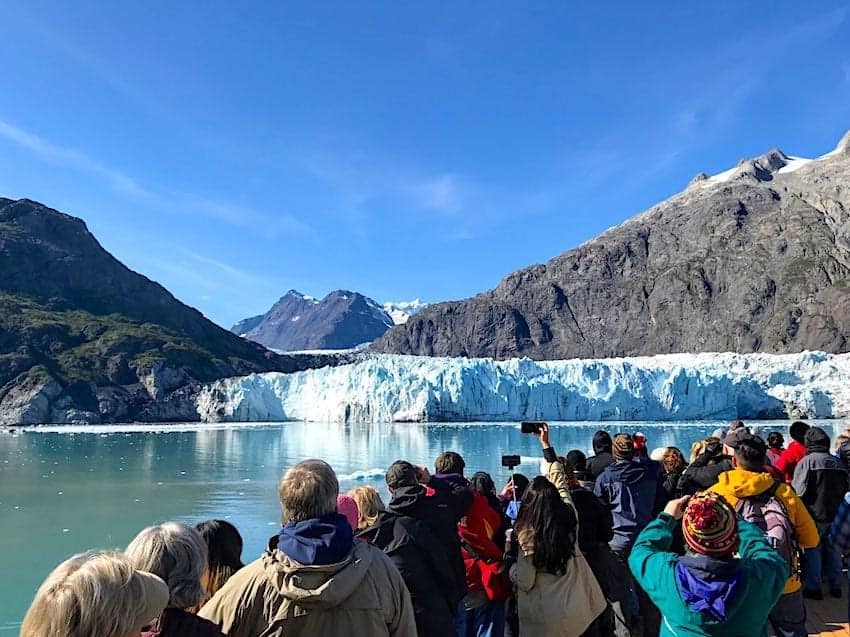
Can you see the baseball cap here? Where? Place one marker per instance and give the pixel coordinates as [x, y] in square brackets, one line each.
[401, 474]
[741, 436]
[154, 598]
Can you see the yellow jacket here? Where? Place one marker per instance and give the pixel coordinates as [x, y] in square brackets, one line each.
[739, 483]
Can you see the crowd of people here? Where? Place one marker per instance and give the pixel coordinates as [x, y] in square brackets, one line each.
[622, 543]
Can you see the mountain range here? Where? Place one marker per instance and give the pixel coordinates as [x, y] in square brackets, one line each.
[82, 337]
[341, 320]
[754, 259]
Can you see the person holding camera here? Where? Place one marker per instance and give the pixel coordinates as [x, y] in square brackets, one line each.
[557, 593]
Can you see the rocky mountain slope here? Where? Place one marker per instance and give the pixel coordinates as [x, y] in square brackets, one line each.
[755, 259]
[82, 337]
[341, 320]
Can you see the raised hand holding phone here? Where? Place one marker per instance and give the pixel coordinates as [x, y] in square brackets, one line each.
[543, 435]
[676, 508]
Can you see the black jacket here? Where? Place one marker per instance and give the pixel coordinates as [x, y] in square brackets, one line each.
[424, 565]
[602, 445]
[820, 478]
[703, 472]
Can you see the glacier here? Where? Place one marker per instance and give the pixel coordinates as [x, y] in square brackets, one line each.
[395, 388]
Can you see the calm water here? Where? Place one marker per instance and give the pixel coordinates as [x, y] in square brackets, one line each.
[61, 492]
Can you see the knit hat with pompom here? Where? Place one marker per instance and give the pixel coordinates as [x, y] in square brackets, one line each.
[710, 525]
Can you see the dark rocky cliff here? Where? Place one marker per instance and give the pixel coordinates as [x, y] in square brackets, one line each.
[756, 259]
[84, 338]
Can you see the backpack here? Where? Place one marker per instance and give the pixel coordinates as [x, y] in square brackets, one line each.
[769, 514]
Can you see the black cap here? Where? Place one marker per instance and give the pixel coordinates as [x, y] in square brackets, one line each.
[741, 436]
[401, 474]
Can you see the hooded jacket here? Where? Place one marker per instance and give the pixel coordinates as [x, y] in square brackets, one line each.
[819, 478]
[738, 483]
[789, 458]
[422, 561]
[278, 596]
[602, 445]
[743, 590]
[703, 472]
[632, 491]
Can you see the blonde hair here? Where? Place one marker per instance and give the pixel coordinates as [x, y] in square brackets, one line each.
[178, 554]
[94, 593]
[308, 490]
[369, 503]
[841, 438]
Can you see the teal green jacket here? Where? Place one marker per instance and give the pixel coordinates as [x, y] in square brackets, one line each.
[764, 575]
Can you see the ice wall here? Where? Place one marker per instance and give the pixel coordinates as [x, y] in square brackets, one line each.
[388, 388]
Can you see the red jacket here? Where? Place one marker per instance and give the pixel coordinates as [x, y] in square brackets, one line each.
[789, 459]
[476, 531]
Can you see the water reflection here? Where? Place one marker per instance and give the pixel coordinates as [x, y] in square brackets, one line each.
[61, 493]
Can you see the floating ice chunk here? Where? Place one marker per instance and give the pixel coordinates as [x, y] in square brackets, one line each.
[366, 474]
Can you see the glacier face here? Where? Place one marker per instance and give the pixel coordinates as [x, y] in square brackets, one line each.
[392, 388]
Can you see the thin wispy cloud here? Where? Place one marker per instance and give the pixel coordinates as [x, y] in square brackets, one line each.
[71, 157]
[230, 213]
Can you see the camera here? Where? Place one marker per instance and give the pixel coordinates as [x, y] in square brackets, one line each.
[511, 461]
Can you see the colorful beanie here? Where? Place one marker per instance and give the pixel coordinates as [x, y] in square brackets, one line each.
[710, 525]
[347, 506]
[623, 447]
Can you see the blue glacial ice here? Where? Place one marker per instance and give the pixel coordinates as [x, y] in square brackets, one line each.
[389, 388]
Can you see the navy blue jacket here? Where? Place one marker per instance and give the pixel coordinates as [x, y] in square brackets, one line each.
[633, 492]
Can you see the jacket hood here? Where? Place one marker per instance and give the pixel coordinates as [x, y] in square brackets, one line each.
[602, 442]
[708, 585]
[817, 440]
[318, 541]
[743, 484]
[407, 500]
[629, 471]
[317, 586]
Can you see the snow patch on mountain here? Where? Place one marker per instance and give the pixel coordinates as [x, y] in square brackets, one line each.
[400, 311]
[390, 388]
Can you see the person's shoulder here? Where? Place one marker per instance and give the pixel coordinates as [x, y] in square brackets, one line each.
[380, 565]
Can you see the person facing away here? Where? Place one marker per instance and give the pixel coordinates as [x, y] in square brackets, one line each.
[314, 579]
[789, 458]
[633, 492]
[178, 554]
[839, 533]
[404, 533]
[821, 481]
[95, 593]
[557, 593]
[369, 504]
[775, 446]
[708, 592]
[478, 614]
[704, 470]
[764, 501]
[602, 444]
[224, 550]
[630, 490]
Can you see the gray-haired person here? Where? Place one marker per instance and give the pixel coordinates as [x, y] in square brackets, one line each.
[314, 580]
[178, 554]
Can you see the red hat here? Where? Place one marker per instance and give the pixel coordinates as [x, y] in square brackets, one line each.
[639, 440]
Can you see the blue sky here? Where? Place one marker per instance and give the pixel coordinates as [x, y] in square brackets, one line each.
[234, 150]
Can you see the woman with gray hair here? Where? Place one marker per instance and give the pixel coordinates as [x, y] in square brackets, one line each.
[178, 554]
[95, 593]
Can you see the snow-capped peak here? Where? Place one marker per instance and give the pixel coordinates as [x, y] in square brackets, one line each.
[401, 311]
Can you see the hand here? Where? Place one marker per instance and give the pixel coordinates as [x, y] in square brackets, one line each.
[508, 491]
[543, 435]
[422, 474]
[676, 508]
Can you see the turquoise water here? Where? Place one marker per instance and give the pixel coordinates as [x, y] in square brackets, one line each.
[67, 490]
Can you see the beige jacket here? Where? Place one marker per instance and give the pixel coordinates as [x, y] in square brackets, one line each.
[276, 596]
[555, 605]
